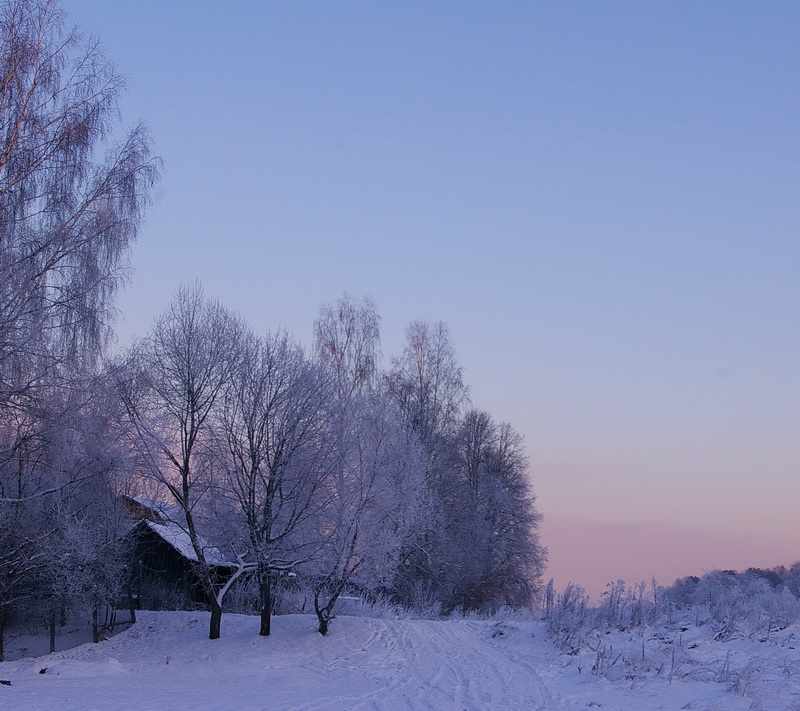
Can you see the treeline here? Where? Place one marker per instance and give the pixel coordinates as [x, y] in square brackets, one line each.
[325, 465]
[728, 589]
[320, 464]
[276, 461]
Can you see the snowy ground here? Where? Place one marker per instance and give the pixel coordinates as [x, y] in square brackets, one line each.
[165, 661]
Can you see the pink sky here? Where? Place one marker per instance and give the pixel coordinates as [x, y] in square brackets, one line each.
[592, 554]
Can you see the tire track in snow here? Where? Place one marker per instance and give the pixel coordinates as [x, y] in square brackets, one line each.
[435, 666]
[473, 674]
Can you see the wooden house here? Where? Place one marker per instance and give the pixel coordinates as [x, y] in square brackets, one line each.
[164, 566]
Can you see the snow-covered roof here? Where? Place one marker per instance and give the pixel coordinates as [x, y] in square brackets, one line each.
[179, 539]
[162, 518]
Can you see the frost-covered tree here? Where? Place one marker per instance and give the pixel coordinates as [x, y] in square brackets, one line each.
[170, 388]
[275, 426]
[493, 517]
[347, 340]
[481, 549]
[56, 478]
[71, 201]
[376, 504]
[88, 554]
[427, 384]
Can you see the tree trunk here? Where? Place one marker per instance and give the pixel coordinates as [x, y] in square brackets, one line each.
[95, 626]
[131, 605]
[53, 630]
[111, 619]
[216, 618]
[2, 634]
[325, 614]
[265, 590]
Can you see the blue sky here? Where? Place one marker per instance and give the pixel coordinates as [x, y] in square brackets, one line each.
[599, 199]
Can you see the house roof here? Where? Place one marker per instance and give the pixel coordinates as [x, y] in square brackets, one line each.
[162, 519]
[179, 539]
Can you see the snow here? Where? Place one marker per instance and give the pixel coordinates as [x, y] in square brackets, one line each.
[179, 539]
[165, 661]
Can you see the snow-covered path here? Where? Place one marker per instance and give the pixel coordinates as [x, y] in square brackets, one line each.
[430, 666]
[165, 662]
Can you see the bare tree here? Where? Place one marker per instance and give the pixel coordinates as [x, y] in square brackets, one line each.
[376, 504]
[427, 382]
[175, 379]
[347, 338]
[276, 424]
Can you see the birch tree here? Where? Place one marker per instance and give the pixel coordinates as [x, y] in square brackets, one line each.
[347, 340]
[72, 194]
[427, 384]
[71, 199]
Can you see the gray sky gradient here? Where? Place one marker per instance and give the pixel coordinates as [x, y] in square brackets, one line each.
[599, 199]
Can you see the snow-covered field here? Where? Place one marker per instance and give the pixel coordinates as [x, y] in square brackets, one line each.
[165, 661]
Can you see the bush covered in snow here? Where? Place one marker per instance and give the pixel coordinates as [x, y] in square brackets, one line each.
[700, 629]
